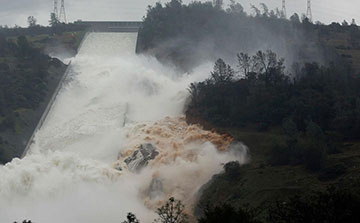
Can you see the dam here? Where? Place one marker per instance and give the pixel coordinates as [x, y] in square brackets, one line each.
[111, 26]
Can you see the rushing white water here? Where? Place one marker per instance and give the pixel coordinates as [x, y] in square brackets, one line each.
[111, 103]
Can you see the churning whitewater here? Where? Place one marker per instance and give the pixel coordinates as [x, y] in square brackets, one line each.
[115, 141]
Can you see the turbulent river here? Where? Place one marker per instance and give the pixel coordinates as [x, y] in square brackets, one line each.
[85, 165]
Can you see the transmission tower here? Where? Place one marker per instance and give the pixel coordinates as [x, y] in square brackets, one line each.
[283, 11]
[62, 15]
[308, 12]
[56, 11]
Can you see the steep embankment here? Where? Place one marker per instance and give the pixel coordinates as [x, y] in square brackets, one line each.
[259, 184]
[345, 40]
[28, 80]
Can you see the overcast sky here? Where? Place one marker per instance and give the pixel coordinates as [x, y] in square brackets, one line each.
[16, 11]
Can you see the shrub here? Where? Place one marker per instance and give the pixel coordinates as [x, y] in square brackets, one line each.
[232, 169]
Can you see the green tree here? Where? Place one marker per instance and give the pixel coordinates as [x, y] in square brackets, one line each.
[218, 3]
[54, 21]
[235, 8]
[31, 21]
[295, 18]
[222, 72]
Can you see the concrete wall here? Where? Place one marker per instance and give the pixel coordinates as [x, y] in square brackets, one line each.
[111, 26]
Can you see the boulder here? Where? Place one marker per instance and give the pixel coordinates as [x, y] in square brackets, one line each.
[141, 157]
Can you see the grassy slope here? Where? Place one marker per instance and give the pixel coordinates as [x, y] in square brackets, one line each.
[260, 184]
[345, 44]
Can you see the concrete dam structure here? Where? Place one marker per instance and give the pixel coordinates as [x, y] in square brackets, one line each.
[92, 26]
[111, 26]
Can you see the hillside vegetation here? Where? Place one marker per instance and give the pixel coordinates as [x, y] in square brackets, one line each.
[288, 89]
[28, 78]
[187, 35]
[345, 39]
[302, 133]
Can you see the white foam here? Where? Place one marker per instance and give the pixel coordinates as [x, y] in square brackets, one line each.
[67, 175]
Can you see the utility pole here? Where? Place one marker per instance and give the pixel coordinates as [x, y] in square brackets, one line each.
[308, 12]
[56, 11]
[62, 15]
[283, 11]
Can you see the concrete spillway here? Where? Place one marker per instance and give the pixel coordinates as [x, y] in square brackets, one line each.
[46, 111]
[92, 26]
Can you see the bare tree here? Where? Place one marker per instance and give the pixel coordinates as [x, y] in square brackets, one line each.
[244, 63]
[264, 61]
[172, 212]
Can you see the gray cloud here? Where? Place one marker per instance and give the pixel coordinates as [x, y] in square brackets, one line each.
[16, 11]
